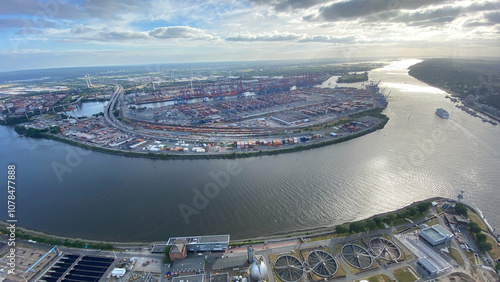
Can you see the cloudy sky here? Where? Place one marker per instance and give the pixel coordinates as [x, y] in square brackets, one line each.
[54, 33]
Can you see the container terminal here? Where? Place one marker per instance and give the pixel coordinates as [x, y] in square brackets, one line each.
[239, 115]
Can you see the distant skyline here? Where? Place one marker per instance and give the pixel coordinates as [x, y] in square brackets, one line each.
[67, 33]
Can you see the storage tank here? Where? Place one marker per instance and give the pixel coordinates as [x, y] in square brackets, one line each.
[258, 270]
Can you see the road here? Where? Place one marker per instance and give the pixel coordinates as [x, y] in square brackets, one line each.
[108, 112]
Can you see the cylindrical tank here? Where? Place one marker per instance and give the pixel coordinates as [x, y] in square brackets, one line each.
[258, 271]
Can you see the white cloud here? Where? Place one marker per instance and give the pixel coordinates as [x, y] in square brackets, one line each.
[274, 36]
[172, 32]
[222, 29]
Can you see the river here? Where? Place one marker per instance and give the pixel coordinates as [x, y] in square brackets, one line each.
[67, 191]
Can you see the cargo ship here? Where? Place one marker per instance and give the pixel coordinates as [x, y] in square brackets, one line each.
[442, 113]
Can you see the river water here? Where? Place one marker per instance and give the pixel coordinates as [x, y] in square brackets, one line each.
[67, 191]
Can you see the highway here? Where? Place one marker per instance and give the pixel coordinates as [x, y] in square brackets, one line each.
[108, 112]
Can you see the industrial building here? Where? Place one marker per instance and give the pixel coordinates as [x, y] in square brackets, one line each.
[290, 118]
[214, 243]
[177, 252]
[158, 248]
[229, 263]
[436, 235]
[454, 219]
[428, 266]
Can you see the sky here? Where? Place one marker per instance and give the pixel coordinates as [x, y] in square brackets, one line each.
[65, 33]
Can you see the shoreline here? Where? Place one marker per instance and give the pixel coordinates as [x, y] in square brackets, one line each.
[456, 95]
[282, 236]
[318, 231]
[233, 155]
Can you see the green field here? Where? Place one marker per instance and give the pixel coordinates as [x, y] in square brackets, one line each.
[404, 274]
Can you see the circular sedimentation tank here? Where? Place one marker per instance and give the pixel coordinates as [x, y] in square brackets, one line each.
[385, 249]
[322, 263]
[356, 256]
[288, 268]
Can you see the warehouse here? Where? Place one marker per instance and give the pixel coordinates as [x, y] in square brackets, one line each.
[428, 266]
[290, 118]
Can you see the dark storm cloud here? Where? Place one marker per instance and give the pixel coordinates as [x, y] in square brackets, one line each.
[72, 9]
[493, 17]
[112, 8]
[474, 23]
[288, 5]
[354, 9]
[428, 17]
[444, 14]
[37, 8]
[25, 23]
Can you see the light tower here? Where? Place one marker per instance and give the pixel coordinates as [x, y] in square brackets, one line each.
[460, 196]
[191, 79]
[87, 79]
[250, 254]
[152, 82]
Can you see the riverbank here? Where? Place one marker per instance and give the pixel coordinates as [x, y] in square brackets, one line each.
[462, 78]
[234, 155]
[456, 95]
[51, 239]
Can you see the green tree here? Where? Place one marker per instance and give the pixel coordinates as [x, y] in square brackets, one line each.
[55, 130]
[167, 250]
[379, 222]
[389, 219]
[480, 237]
[356, 227]
[473, 227]
[423, 207]
[371, 224]
[166, 258]
[461, 209]
[484, 246]
[411, 211]
[341, 229]
[497, 267]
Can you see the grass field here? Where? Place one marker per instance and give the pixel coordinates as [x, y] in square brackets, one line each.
[404, 274]
[432, 222]
[326, 237]
[378, 278]
[475, 218]
[495, 252]
[455, 255]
